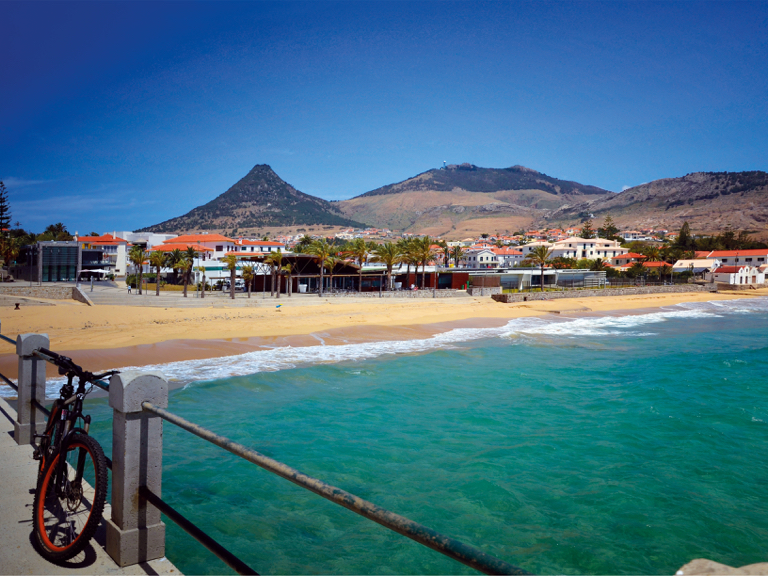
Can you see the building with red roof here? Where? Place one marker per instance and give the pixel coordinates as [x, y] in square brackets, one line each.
[737, 275]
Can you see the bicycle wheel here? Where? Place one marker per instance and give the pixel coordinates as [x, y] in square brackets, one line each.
[67, 510]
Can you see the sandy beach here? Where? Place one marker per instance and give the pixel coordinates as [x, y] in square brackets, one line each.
[102, 337]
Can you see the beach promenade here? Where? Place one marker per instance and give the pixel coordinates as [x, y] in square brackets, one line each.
[18, 473]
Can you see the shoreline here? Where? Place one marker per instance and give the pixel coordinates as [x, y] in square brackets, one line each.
[106, 337]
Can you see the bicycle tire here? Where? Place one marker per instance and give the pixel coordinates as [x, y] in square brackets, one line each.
[64, 526]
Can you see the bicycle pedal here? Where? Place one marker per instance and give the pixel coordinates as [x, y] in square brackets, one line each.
[36, 454]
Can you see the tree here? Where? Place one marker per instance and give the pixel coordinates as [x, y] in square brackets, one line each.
[457, 254]
[157, 259]
[598, 265]
[323, 252]
[186, 271]
[422, 251]
[5, 212]
[174, 262]
[652, 254]
[446, 252]
[359, 250]
[586, 230]
[136, 256]
[287, 269]
[248, 277]
[303, 244]
[684, 238]
[189, 255]
[230, 261]
[539, 256]
[389, 255]
[608, 230]
[407, 254]
[202, 287]
[275, 260]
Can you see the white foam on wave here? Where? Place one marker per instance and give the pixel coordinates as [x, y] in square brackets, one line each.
[273, 359]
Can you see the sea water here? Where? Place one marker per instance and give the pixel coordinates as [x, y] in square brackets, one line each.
[593, 445]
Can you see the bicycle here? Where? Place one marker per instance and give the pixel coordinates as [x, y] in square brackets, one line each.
[72, 476]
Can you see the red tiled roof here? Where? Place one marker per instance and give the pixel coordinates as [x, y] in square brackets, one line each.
[192, 238]
[629, 255]
[246, 242]
[655, 264]
[729, 253]
[105, 239]
[506, 251]
[728, 269]
[180, 246]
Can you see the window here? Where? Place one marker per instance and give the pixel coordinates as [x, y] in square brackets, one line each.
[219, 248]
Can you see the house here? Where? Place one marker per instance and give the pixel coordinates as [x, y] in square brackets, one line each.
[115, 250]
[507, 257]
[217, 244]
[589, 248]
[698, 266]
[736, 257]
[480, 258]
[737, 275]
[628, 258]
[245, 245]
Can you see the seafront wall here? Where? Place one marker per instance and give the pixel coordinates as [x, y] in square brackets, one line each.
[49, 292]
[528, 296]
[426, 293]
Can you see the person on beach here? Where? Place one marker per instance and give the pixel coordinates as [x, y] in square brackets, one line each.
[129, 288]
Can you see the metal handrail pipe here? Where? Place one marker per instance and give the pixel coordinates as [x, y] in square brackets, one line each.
[9, 382]
[467, 555]
[217, 549]
[9, 340]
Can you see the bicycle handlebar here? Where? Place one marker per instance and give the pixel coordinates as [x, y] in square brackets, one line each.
[66, 365]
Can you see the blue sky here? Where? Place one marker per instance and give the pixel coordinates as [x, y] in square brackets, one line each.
[120, 115]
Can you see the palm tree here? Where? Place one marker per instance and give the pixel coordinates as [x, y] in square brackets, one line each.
[248, 277]
[406, 247]
[157, 259]
[202, 291]
[287, 269]
[360, 251]
[652, 253]
[539, 256]
[275, 260]
[446, 252]
[190, 254]
[186, 271]
[230, 261]
[457, 254]
[302, 245]
[389, 255]
[136, 256]
[422, 251]
[323, 252]
[174, 261]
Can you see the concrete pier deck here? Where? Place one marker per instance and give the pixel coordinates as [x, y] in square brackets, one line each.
[18, 473]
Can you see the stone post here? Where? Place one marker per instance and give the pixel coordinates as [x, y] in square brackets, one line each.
[135, 533]
[30, 420]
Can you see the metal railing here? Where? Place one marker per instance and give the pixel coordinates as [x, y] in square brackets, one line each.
[454, 549]
[450, 547]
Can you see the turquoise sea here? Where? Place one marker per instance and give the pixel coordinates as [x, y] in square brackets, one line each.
[591, 445]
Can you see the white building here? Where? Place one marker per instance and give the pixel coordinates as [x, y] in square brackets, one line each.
[507, 257]
[114, 247]
[579, 248]
[737, 275]
[480, 258]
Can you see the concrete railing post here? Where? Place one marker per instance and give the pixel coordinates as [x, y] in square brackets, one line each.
[135, 533]
[30, 420]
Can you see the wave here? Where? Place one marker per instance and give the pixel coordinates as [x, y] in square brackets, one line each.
[282, 358]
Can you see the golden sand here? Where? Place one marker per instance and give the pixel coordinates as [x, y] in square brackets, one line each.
[110, 336]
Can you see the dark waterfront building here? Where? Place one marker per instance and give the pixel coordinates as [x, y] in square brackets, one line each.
[56, 262]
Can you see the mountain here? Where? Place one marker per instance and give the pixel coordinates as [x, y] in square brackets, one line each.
[260, 199]
[708, 201]
[475, 179]
[464, 199]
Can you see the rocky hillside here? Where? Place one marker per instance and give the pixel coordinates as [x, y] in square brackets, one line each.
[260, 199]
[709, 201]
[464, 199]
